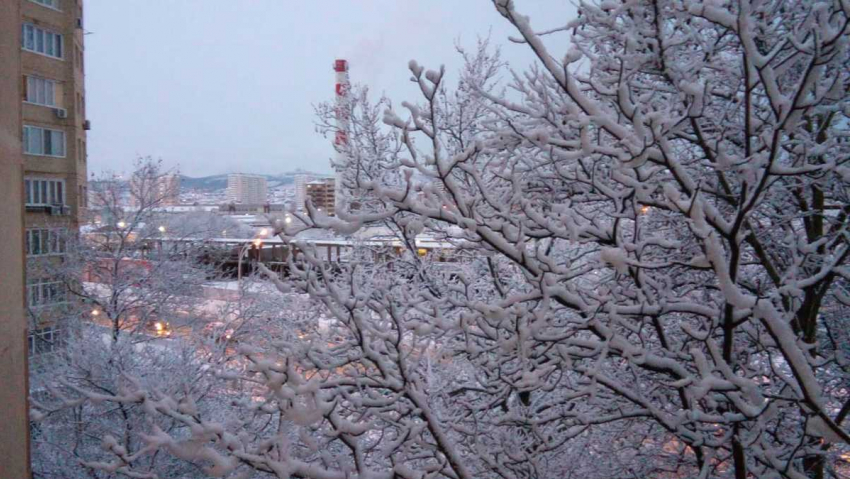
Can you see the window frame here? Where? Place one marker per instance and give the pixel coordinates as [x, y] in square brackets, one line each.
[45, 5]
[41, 34]
[43, 141]
[49, 242]
[45, 340]
[50, 293]
[31, 193]
[45, 81]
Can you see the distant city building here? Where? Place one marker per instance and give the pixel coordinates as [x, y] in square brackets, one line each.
[243, 208]
[322, 194]
[248, 189]
[301, 190]
[148, 188]
[168, 188]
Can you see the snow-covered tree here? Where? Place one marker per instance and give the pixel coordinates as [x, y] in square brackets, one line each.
[136, 316]
[650, 235]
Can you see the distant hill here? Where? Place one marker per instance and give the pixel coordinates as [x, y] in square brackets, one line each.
[219, 182]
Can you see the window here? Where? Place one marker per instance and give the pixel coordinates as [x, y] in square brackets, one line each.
[42, 292]
[44, 192]
[44, 241]
[41, 91]
[44, 142]
[42, 41]
[54, 4]
[45, 340]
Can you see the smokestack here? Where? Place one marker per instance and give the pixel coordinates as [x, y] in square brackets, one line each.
[342, 87]
[341, 139]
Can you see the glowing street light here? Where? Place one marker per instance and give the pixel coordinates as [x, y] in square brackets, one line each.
[122, 224]
[161, 229]
[644, 210]
[264, 232]
[288, 219]
[95, 312]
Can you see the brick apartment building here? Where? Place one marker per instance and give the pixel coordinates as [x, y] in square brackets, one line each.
[43, 176]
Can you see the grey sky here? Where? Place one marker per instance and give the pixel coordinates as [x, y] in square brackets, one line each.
[218, 86]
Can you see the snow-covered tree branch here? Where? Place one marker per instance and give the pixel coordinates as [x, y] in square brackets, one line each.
[643, 270]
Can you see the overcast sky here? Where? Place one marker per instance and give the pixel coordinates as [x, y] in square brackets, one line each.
[222, 86]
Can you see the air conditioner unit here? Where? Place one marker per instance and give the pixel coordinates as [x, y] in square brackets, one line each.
[60, 112]
[56, 210]
[66, 210]
[87, 125]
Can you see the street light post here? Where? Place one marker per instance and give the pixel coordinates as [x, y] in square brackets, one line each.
[161, 236]
[239, 265]
[258, 243]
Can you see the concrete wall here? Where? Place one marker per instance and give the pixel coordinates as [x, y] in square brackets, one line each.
[14, 425]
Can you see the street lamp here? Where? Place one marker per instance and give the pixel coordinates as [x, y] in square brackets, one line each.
[161, 229]
[258, 243]
[121, 224]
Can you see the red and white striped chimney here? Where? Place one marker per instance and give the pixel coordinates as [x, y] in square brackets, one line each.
[341, 140]
[342, 87]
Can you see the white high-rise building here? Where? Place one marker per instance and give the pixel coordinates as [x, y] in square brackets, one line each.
[246, 189]
[301, 190]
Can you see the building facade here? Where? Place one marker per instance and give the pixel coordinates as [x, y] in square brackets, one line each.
[322, 193]
[152, 189]
[243, 188]
[301, 190]
[168, 188]
[53, 137]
